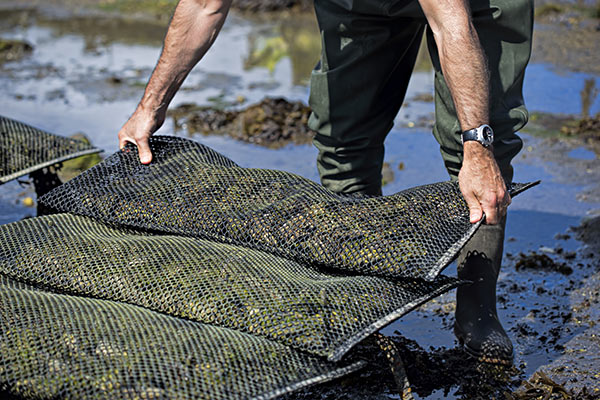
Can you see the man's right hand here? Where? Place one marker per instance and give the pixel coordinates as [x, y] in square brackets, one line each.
[138, 129]
[482, 185]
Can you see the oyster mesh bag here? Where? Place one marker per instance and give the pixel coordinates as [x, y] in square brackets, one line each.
[57, 346]
[243, 289]
[192, 190]
[193, 277]
[25, 149]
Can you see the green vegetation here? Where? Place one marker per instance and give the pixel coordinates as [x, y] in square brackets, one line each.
[579, 9]
[161, 9]
[584, 126]
[549, 9]
[74, 167]
[13, 50]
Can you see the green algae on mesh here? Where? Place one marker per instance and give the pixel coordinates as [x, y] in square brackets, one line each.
[413, 234]
[25, 149]
[204, 281]
[59, 346]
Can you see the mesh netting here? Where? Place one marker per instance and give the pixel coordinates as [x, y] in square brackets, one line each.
[210, 280]
[220, 284]
[191, 190]
[24, 149]
[56, 346]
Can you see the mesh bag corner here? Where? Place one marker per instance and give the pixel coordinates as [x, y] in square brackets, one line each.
[25, 149]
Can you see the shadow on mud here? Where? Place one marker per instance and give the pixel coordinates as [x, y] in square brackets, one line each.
[441, 372]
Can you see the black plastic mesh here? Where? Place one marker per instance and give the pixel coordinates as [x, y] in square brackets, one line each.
[220, 284]
[191, 190]
[24, 149]
[56, 346]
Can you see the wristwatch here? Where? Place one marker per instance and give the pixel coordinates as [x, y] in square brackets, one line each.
[482, 134]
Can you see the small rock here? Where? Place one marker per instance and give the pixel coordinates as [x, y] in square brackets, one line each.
[545, 249]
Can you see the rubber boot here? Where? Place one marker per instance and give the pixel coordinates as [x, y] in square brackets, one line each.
[477, 326]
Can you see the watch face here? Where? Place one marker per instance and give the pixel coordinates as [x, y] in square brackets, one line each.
[487, 134]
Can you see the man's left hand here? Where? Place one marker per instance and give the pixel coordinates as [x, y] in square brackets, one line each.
[482, 185]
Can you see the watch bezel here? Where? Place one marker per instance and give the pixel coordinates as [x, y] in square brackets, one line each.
[485, 139]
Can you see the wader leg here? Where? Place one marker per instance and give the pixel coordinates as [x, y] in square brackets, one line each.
[504, 28]
[477, 325]
[357, 90]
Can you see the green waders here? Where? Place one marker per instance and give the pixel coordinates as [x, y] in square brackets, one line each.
[369, 48]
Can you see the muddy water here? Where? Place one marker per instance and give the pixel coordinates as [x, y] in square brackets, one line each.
[86, 73]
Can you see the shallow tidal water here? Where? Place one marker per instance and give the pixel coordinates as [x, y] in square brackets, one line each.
[86, 74]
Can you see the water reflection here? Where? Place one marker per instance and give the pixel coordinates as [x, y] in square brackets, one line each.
[98, 32]
[296, 38]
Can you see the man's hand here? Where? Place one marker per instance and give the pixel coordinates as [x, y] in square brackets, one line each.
[482, 185]
[138, 129]
[193, 29]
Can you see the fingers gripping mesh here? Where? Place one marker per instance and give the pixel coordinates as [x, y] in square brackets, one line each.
[24, 149]
[191, 190]
[58, 346]
[225, 285]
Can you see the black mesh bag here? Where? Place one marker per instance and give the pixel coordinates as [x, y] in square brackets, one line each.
[258, 293]
[25, 149]
[57, 346]
[191, 190]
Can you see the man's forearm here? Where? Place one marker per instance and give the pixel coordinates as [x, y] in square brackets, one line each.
[464, 66]
[462, 60]
[192, 31]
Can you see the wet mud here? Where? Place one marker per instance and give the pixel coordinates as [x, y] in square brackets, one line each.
[566, 36]
[542, 262]
[437, 372]
[560, 323]
[540, 386]
[272, 123]
[13, 50]
[572, 142]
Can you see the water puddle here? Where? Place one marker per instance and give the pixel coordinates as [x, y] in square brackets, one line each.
[581, 153]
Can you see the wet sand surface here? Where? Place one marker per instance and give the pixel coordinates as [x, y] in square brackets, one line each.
[72, 68]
